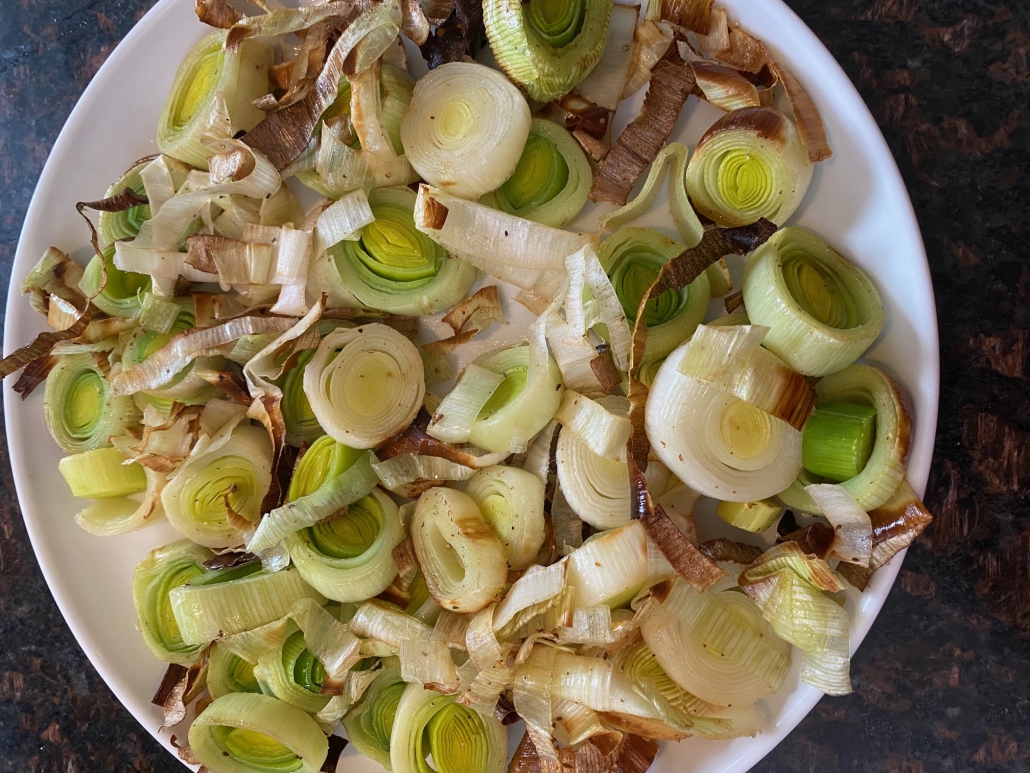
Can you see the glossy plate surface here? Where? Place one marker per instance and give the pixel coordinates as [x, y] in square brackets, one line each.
[857, 202]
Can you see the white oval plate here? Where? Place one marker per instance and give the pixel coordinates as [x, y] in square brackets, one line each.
[857, 201]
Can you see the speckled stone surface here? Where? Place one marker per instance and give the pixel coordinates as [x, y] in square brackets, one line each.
[942, 683]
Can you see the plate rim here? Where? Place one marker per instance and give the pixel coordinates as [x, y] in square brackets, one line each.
[873, 140]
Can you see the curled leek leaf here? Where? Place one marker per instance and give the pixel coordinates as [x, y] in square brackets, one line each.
[462, 559]
[495, 425]
[511, 502]
[822, 311]
[458, 739]
[465, 128]
[301, 423]
[211, 97]
[292, 674]
[113, 226]
[122, 295]
[632, 258]
[750, 164]
[234, 471]
[393, 266]
[885, 469]
[78, 409]
[547, 46]
[228, 673]
[370, 723]
[349, 557]
[551, 183]
[243, 732]
[156, 575]
[365, 384]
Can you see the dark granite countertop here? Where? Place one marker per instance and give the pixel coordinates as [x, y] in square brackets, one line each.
[942, 683]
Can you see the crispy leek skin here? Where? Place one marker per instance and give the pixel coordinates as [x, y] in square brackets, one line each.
[632, 258]
[162, 570]
[547, 46]
[114, 226]
[822, 311]
[459, 739]
[349, 556]
[211, 97]
[551, 182]
[370, 723]
[247, 732]
[122, 294]
[79, 411]
[393, 266]
[750, 164]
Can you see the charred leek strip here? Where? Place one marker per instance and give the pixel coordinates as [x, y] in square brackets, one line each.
[393, 266]
[365, 384]
[885, 469]
[125, 224]
[632, 258]
[458, 739]
[511, 502]
[551, 183]
[495, 425]
[370, 723]
[212, 96]
[822, 311]
[156, 575]
[79, 411]
[243, 732]
[123, 291]
[750, 164]
[348, 557]
[547, 46]
[461, 558]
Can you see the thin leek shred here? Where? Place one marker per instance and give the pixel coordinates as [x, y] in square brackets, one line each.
[749, 164]
[392, 266]
[551, 182]
[885, 469]
[547, 48]
[822, 311]
[212, 96]
[788, 587]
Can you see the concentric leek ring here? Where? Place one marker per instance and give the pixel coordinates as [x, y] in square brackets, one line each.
[322, 462]
[227, 672]
[113, 226]
[77, 407]
[122, 293]
[370, 723]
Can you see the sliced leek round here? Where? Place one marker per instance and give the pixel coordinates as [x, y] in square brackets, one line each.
[822, 311]
[113, 226]
[547, 46]
[243, 732]
[229, 673]
[211, 97]
[78, 409]
[369, 724]
[155, 576]
[465, 128]
[292, 673]
[750, 164]
[507, 406]
[511, 502]
[632, 258]
[885, 468]
[551, 182]
[365, 384]
[393, 266]
[349, 556]
[122, 293]
[461, 558]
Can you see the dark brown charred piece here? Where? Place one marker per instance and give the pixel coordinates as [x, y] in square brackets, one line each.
[816, 539]
[230, 560]
[578, 114]
[42, 346]
[433, 212]
[723, 549]
[767, 123]
[35, 373]
[694, 15]
[671, 84]
[459, 35]
[336, 746]
[603, 367]
[217, 13]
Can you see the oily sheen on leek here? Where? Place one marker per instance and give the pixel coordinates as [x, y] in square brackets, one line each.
[465, 128]
[247, 732]
[547, 46]
[822, 311]
[551, 182]
[392, 266]
[365, 384]
[349, 556]
[211, 97]
[462, 560]
[632, 258]
[458, 739]
[79, 411]
[751, 163]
